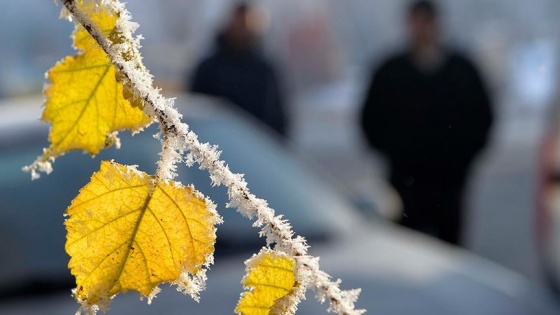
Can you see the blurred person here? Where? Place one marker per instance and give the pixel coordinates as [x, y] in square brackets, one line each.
[428, 111]
[239, 72]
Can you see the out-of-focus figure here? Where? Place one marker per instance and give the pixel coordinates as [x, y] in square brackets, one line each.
[428, 111]
[239, 72]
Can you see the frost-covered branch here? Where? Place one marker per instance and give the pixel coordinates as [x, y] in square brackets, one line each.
[178, 140]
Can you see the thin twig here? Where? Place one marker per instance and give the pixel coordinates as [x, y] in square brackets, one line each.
[178, 139]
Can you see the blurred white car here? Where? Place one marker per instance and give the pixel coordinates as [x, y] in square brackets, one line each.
[400, 272]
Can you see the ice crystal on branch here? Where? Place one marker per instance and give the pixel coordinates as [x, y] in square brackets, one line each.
[179, 144]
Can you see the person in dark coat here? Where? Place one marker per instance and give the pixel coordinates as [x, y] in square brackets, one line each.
[238, 72]
[428, 111]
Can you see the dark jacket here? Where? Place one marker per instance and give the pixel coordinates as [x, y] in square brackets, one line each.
[246, 79]
[430, 122]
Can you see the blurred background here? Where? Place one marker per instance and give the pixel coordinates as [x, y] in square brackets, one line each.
[324, 51]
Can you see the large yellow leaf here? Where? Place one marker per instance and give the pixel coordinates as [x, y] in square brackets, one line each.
[85, 102]
[271, 278]
[127, 232]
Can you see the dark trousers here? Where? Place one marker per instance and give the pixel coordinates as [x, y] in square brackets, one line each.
[433, 201]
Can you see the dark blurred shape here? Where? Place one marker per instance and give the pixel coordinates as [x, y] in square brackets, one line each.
[37, 288]
[239, 72]
[428, 111]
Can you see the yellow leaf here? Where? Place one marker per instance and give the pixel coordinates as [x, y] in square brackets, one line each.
[127, 232]
[85, 102]
[271, 278]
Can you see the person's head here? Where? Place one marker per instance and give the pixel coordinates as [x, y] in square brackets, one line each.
[242, 29]
[423, 23]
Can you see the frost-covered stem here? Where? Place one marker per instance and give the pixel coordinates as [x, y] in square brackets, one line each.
[178, 139]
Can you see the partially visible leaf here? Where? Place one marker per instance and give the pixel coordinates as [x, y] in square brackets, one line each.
[85, 102]
[127, 232]
[271, 278]
[100, 17]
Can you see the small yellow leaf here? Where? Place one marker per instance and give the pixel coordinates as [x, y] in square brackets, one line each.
[127, 232]
[270, 277]
[85, 102]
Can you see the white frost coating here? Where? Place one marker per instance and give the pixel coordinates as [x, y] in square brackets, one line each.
[191, 284]
[42, 164]
[113, 139]
[178, 139]
[153, 295]
[87, 309]
[90, 309]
